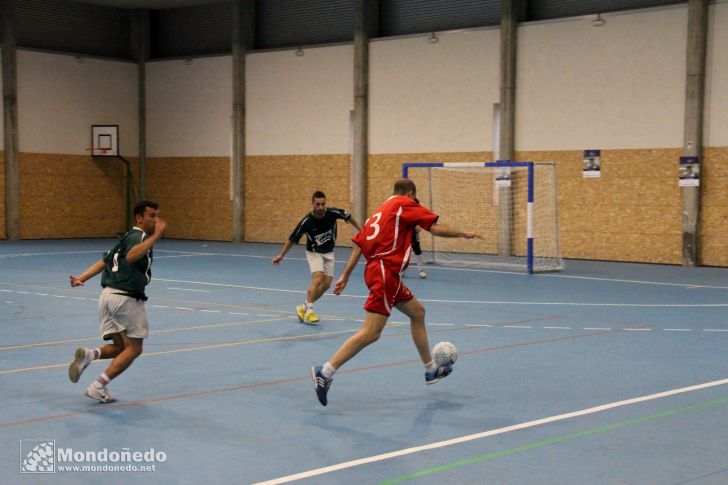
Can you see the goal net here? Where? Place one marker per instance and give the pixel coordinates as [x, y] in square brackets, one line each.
[513, 205]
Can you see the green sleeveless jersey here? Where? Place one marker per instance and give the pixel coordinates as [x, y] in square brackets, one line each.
[129, 278]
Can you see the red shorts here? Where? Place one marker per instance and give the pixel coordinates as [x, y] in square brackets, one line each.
[385, 288]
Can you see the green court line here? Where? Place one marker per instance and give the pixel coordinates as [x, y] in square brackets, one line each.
[558, 439]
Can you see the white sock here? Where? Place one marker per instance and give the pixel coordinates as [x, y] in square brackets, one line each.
[101, 381]
[420, 262]
[309, 307]
[328, 370]
[430, 366]
[93, 354]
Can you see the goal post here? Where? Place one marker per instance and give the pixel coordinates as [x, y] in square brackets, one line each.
[512, 204]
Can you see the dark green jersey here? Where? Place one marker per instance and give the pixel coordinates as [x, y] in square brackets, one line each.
[320, 233]
[129, 278]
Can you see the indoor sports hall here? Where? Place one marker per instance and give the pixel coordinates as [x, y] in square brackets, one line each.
[555, 172]
[602, 373]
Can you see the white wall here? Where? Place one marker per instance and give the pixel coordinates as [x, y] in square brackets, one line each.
[189, 107]
[434, 97]
[299, 105]
[617, 86]
[60, 98]
[716, 101]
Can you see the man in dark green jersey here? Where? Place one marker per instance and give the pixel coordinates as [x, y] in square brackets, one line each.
[319, 226]
[125, 271]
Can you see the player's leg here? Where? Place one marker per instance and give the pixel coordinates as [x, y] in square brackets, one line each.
[316, 266]
[416, 312]
[83, 357]
[417, 249]
[131, 348]
[124, 320]
[369, 333]
[108, 305]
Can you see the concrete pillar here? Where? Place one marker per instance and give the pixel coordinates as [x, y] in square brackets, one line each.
[693, 136]
[511, 12]
[243, 39]
[141, 47]
[365, 26]
[10, 111]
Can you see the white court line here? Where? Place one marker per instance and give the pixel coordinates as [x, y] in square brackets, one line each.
[471, 302]
[597, 328]
[189, 289]
[558, 328]
[479, 270]
[489, 433]
[715, 329]
[47, 254]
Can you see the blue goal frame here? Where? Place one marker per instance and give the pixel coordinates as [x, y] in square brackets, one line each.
[500, 163]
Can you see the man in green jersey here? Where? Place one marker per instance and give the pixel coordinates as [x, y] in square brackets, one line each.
[125, 271]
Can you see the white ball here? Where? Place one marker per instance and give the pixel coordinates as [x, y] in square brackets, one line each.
[444, 353]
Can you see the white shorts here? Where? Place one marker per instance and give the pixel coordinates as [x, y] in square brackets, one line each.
[119, 313]
[321, 262]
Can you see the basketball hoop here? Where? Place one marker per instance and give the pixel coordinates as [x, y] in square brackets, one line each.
[98, 152]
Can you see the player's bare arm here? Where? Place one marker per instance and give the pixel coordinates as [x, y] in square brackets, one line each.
[283, 252]
[350, 265]
[442, 230]
[92, 271]
[354, 223]
[137, 252]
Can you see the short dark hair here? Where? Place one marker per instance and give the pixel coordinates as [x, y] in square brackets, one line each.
[318, 195]
[402, 186]
[142, 205]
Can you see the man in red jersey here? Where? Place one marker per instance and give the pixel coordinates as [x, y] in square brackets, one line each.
[386, 242]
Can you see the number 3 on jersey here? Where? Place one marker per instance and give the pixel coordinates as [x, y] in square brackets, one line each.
[375, 225]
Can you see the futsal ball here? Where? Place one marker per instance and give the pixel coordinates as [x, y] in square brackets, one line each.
[444, 353]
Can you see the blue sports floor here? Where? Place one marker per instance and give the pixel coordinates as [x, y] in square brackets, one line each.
[605, 373]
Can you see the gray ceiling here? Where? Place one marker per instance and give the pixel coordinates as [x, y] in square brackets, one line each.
[151, 4]
[186, 28]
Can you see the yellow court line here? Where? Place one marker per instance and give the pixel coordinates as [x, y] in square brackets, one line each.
[204, 347]
[169, 330]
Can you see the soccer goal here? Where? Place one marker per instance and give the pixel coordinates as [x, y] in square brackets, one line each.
[512, 204]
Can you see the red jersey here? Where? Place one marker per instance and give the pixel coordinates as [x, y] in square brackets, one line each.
[387, 234]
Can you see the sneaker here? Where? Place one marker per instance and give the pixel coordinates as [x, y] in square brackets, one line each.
[439, 373]
[423, 274]
[310, 317]
[321, 384]
[301, 312]
[79, 364]
[101, 395]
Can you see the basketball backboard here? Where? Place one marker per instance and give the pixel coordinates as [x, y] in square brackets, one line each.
[104, 140]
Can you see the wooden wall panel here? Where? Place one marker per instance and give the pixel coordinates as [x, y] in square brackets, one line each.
[193, 194]
[68, 196]
[632, 213]
[714, 208]
[2, 196]
[279, 189]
